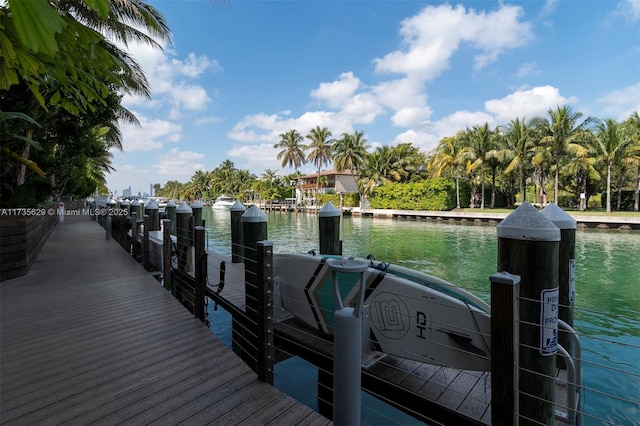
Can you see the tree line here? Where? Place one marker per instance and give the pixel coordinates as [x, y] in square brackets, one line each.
[532, 160]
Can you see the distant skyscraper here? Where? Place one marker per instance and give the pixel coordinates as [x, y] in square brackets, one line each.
[126, 192]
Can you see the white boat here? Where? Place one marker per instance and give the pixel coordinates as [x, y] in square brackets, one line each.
[408, 318]
[223, 202]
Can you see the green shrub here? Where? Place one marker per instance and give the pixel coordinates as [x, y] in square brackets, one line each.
[436, 194]
[349, 200]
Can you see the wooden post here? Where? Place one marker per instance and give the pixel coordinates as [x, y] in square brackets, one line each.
[171, 215]
[196, 209]
[134, 234]
[505, 293]
[166, 253]
[237, 210]
[254, 229]
[146, 264]
[528, 245]
[264, 303]
[183, 233]
[329, 227]
[566, 271]
[153, 211]
[124, 204]
[200, 272]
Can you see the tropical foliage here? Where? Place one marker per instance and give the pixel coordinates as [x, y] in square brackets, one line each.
[61, 68]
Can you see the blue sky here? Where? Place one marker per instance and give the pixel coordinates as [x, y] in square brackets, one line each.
[239, 73]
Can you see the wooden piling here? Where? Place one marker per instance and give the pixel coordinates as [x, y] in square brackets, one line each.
[183, 234]
[505, 294]
[134, 235]
[528, 245]
[146, 264]
[237, 210]
[329, 229]
[153, 210]
[196, 208]
[200, 272]
[264, 303]
[134, 206]
[254, 229]
[566, 271]
[171, 215]
[166, 253]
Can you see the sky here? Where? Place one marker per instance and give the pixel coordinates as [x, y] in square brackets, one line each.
[238, 73]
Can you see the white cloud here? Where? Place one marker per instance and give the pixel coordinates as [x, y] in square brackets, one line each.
[256, 158]
[336, 93]
[171, 79]
[629, 10]
[150, 135]
[526, 103]
[179, 165]
[432, 36]
[620, 104]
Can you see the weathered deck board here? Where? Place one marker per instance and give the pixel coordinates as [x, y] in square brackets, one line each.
[88, 336]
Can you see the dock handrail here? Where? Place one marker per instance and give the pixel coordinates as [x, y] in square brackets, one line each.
[574, 377]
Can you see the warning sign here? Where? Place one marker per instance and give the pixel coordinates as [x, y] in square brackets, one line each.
[549, 321]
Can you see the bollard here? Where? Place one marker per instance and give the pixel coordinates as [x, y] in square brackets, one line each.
[107, 224]
[254, 229]
[166, 253]
[329, 227]
[237, 210]
[566, 270]
[347, 346]
[134, 206]
[171, 215]
[528, 245]
[126, 206]
[153, 211]
[505, 293]
[183, 234]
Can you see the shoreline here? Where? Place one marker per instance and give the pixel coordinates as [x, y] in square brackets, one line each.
[583, 221]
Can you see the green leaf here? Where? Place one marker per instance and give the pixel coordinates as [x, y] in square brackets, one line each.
[100, 6]
[37, 23]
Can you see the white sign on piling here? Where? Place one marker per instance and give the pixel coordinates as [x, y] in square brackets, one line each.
[549, 321]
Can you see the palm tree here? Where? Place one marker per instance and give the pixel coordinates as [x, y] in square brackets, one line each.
[321, 149]
[515, 152]
[632, 131]
[610, 146]
[378, 168]
[292, 153]
[448, 157]
[480, 142]
[564, 135]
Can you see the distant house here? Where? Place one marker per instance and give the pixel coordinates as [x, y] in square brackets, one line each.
[336, 182]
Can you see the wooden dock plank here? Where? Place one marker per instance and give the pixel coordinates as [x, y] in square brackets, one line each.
[89, 336]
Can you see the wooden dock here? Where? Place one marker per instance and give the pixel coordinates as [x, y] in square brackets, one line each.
[88, 336]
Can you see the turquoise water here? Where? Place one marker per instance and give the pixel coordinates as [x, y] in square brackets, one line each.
[607, 307]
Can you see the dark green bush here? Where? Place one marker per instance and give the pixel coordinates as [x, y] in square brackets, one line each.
[436, 194]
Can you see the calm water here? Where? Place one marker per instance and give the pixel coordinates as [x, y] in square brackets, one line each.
[607, 308]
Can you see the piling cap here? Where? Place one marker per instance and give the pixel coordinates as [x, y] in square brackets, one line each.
[151, 205]
[254, 215]
[196, 205]
[328, 210]
[559, 217]
[124, 203]
[527, 223]
[184, 208]
[171, 204]
[135, 203]
[237, 207]
[111, 202]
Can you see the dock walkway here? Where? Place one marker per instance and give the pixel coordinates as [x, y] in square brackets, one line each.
[88, 336]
